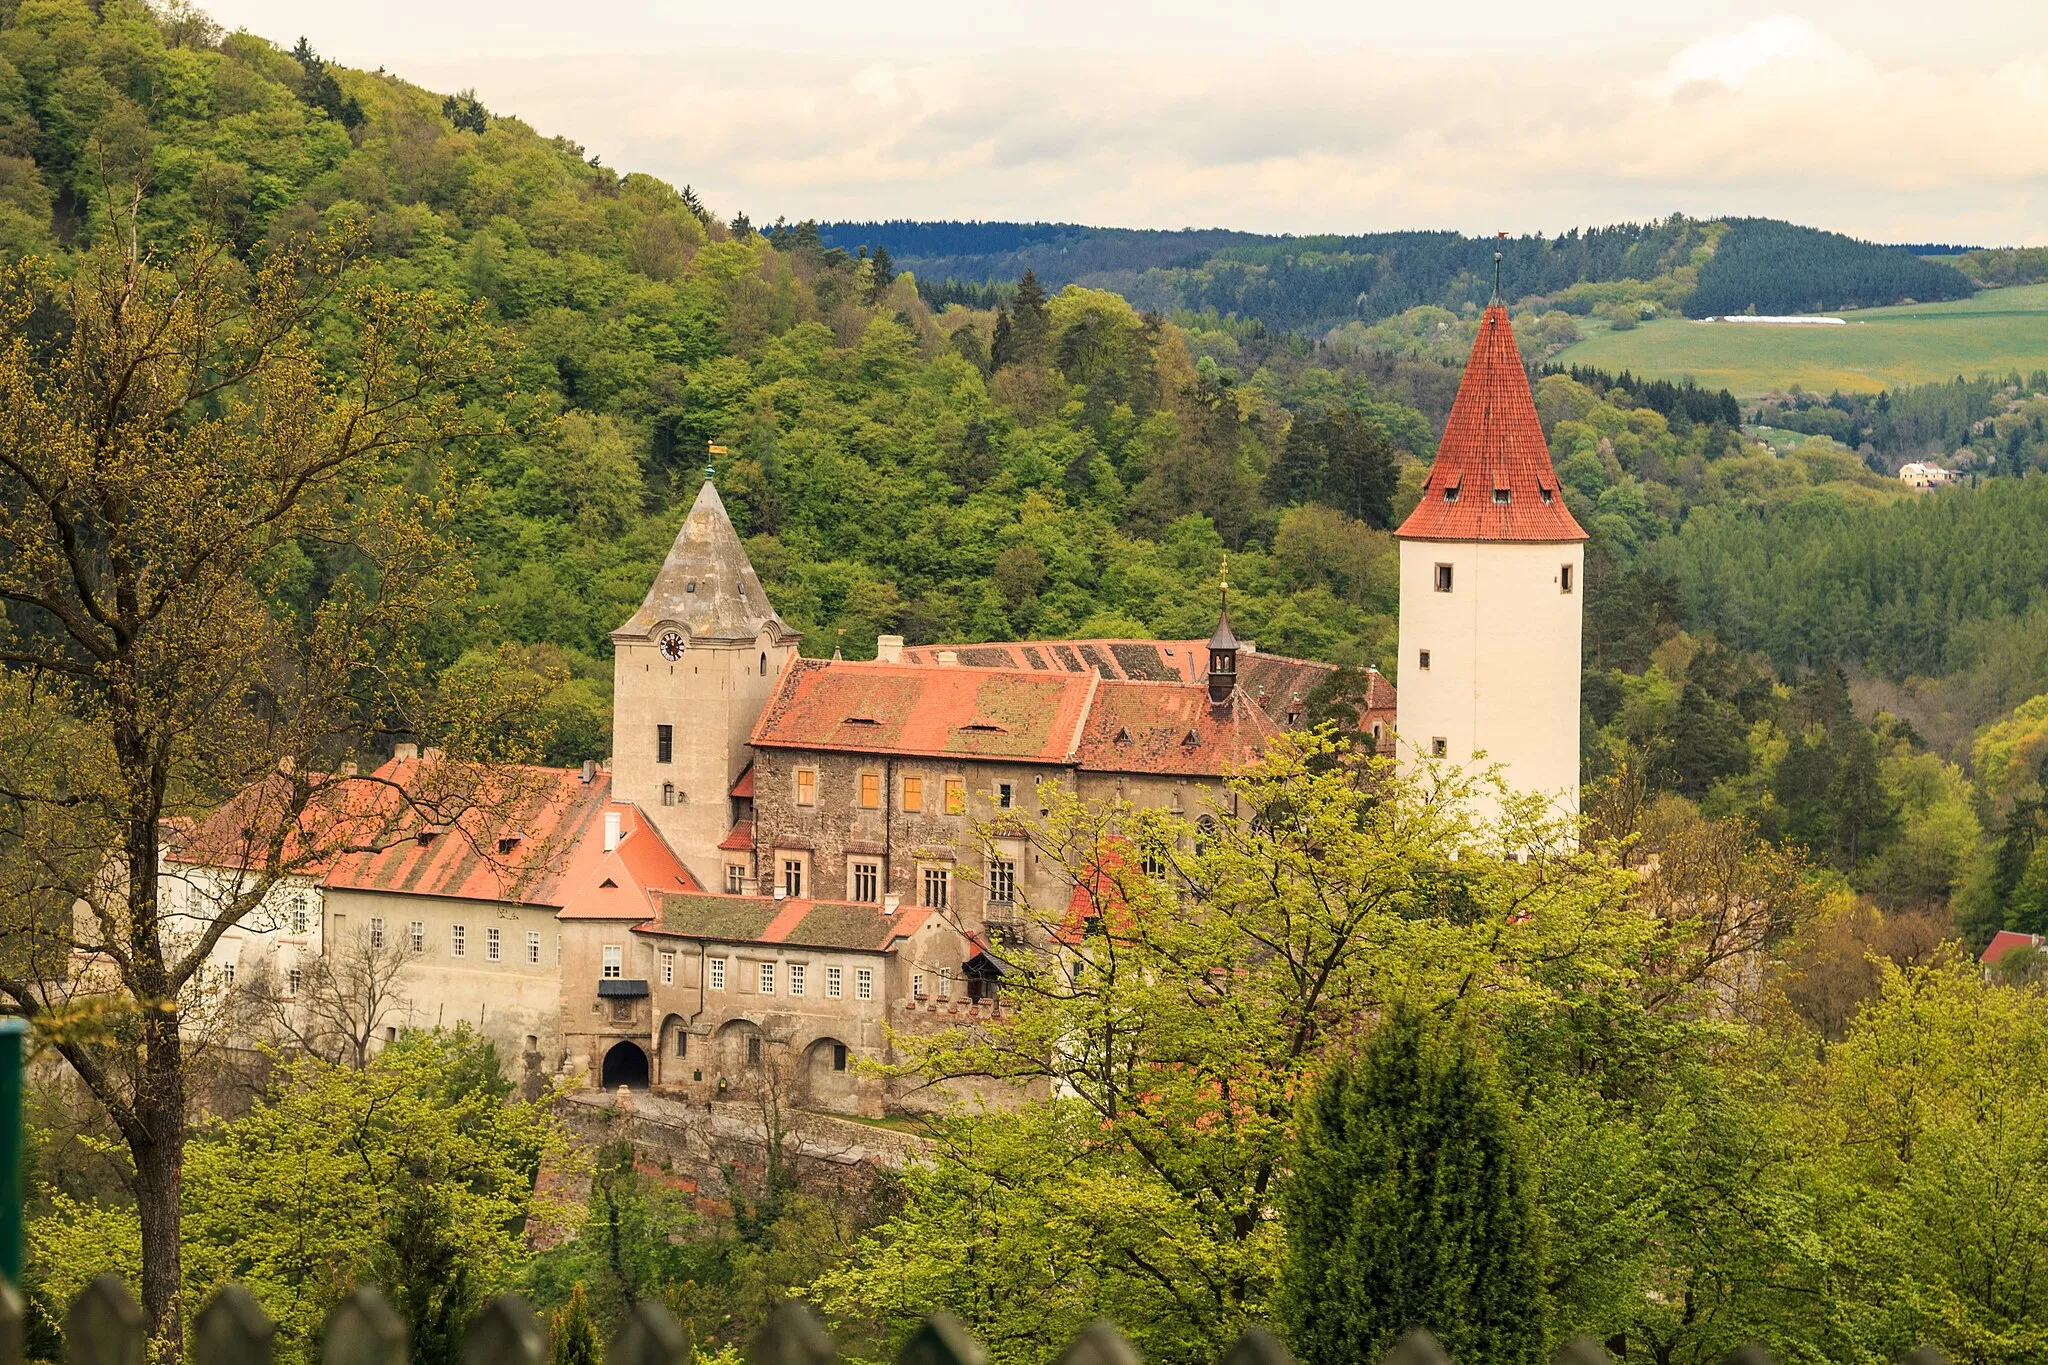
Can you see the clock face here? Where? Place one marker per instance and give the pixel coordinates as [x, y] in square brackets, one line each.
[671, 645]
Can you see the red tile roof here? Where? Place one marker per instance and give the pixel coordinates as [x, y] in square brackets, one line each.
[860, 925]
[1492, 444]
[2003, 942]
[1136, 727]
[938, 712]
[628, 882]
[1138, 660]
[743, 790]
[742, 837]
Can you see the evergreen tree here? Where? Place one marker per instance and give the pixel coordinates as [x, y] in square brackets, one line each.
[1030, 326]
[574, 1334]
[1360, 473]
[881, 273]
[1297, 476]
[1408, 1207]
[1002, 347]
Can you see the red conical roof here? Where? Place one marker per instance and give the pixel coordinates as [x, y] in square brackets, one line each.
[1492, 445]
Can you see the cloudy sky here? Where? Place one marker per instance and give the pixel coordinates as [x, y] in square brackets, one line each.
[1901, 122]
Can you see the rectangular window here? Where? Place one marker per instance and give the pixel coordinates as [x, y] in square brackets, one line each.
[1443, 578]
[1500, 497]
[945, 983]
[767, 978]
[227, 974]
[917, 985]
[417, 931]
[682, 1043]
[293, 980]
[754, 1050]
[1002, 881]
[458, 936]
[1564, 577]
[870, 791]
[793, 877]
[937, 882]
[839, 1056]
[956, 796]
[735, 878]
[1002, 796]
[533, 947]
[807, 786]
[717, 972]
[614, 962]
[299, 916]
[864, 983]
[1439, 747]
[1422, 660]
[796, 978]
[668, 969]
[491, 942]
[376, 931]
[664, 743]
[831, 983]
[866, 881]
[913, 793]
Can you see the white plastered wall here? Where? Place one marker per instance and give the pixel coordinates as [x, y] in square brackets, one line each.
[1504, 662]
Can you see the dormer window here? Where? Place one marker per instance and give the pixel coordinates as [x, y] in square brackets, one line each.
[1545, 492]
[1451, 493]
[1500, 497]
[982, 727]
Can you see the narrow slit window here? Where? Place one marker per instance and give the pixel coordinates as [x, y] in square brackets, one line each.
[1422, 660]
[1443, 578]
[1564, 578]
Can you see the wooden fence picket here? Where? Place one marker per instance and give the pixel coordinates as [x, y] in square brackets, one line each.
[650, 1336]
[13, 1325]
[1257, 1347]
[504, 1332]
[941, 1339]
[1583, 1351]
[792, 1336]
[105, 1325]
[363, 1329]
[1418, 1347]
[233, 1329]
[1099, 1344]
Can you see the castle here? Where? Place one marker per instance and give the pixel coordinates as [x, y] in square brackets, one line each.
[783, 859]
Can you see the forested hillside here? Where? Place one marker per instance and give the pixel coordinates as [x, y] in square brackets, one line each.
[1315, 283]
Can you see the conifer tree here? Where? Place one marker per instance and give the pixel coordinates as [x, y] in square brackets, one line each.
[1408, 1207]
[573, 1333]
[1031, 328]
[1002, 347]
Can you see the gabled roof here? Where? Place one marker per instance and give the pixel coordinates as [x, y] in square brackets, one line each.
[936, 712]
[1492, 445]
[628, 882]
[1138, 660]
[2003, 942]
[1135, 727]
[858, 925]
[707, 584]
[743, 789]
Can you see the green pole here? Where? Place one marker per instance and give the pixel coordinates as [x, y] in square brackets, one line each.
[13, 1058]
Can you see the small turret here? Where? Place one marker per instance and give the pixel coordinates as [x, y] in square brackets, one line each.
[1223, 651]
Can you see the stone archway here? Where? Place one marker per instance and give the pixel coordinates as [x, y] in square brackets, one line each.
[625, 1064]
[829, 1080]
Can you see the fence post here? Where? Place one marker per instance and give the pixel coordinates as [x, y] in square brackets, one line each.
[1257, 1347]
[651, 1336]
[1583, 1351]
[504, 1332]
[233, 1329]
[792, 1336]
[1418, 1347]
[941, 1339]
[363, 1329]
[1099, 1344]
[105, 1324]
[13, 1058]
[12, 1325]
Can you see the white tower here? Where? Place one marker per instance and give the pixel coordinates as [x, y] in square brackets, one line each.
[691, 671]
[1492, 574]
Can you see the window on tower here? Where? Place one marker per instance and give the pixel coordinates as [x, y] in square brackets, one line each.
[664, 743]
[1564, 578]
[1451, 493]
[1546, 494]
[1443, 578]
[1422, 660]
[1439, 747]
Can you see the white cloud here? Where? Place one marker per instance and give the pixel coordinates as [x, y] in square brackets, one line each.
[1775, 117]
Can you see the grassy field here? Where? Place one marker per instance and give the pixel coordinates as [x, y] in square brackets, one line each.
[1995, 332]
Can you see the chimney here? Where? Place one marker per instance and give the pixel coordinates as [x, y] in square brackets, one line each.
[348, 769]
[611, 830]
[433, 755]
[949, 658]
[890, 902]
[888, 648]
[285, 764]
[589, 770]
[405, 753]
[781, 893]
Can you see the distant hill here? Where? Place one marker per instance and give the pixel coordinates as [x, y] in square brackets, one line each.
[1314, 284]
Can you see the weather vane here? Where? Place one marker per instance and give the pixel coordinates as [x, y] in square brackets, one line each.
[1498, 236]
[711, 450]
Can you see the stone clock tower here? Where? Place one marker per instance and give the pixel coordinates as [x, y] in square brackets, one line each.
[691, 672]
[1492, 581]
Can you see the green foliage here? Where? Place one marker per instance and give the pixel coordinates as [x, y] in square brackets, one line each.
[572, 1334]
[1408, 1206]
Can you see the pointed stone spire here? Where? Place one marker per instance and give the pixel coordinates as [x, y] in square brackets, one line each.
[1492, 479]
[1223, 647]
[707, 585]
